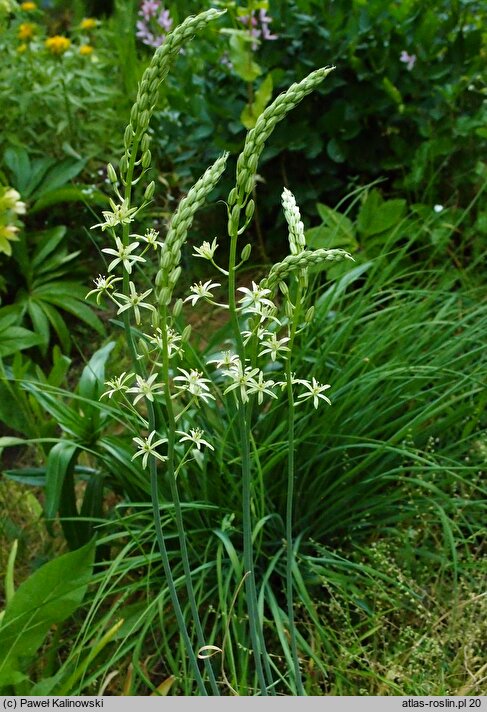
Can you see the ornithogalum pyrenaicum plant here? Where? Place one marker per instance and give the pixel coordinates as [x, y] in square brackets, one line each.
[254, 368]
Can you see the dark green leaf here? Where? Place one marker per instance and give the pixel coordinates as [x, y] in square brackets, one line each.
[48, 597]
[60, 461]
[59, 175]
[69, 194]
[16, 338]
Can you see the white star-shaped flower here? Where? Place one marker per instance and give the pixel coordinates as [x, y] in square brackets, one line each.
[146, 388]
[194, 436]
[255, 298]
[134, 301]
[123, 254]
[206, 251]
[201, 291]
[315, 391]
[147, 447]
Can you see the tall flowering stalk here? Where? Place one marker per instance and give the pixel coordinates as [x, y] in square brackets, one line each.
[176, 398]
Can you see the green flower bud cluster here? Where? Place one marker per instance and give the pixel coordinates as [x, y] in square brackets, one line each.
[303, 260]
[254, 144]
[169, 271]
[297, 242]
[155, 73]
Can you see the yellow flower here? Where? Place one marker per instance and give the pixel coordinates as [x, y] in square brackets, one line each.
[28, 6]
[89, 23]
[22, 48]
[85, 50]
[57, 44]
[26, 31]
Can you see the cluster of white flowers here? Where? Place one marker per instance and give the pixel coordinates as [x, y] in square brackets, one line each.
[247, 380]
[195, 384]
[269, 335]
[119, 215]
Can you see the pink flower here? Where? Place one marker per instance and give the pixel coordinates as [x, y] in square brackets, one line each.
[149, 8]
[258, 26]
[165, 20]
[265, 20]
[408, 59]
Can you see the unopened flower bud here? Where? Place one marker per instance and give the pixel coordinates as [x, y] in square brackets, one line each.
[146, 159]
[166, 260]
[186, 333]
[149, 191]
[245, 254]
[308, 318]
[144, 119]
[145, 142]
[174, 276]
[289, 309]
[124, 164]
[112, 175]
[234, 220]
[232, 197]
[134, 114]
[177, 308]
[143, 350]
[249, 210]
[249, 184]
[284, 288]
[164, 296]
[128, 137]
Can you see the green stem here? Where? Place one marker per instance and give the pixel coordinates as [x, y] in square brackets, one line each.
[126, 277]
[256, 631]
[171, 433]
[152, 460]
[250, 589]
[168, 572]
[289, 503]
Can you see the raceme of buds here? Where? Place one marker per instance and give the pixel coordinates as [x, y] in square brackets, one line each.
[305, 259]
[256, 137]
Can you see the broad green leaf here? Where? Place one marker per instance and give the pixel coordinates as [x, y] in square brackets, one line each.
[252, 111]
[241, 56]
[16, 338]
[8, 317]
[48, 597]
[60, 463]
[68, 418]
[58, 324]
[69, 194]
[92, 379]
[376, 216]
[58, 175]
[61, 364]
[48, 241]
[336, 231]
[17, 160]
[79, 309]
[39, 321]
[329, 237]
[393, 92]
[337, 150]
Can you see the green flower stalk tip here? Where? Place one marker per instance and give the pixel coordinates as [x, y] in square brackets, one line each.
[256, 137]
